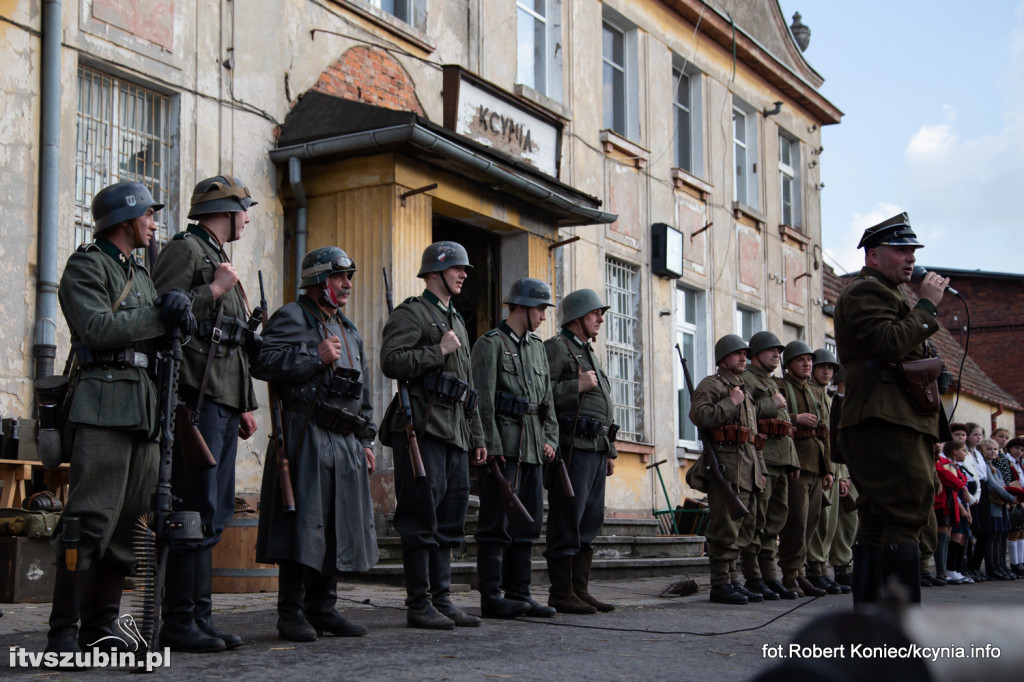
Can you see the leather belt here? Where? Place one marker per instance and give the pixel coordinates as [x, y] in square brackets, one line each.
[118, 357]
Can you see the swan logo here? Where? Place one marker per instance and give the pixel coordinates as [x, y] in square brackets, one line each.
[129, 633]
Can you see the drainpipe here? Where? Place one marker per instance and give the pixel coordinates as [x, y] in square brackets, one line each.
[295, 179]
[45, 347]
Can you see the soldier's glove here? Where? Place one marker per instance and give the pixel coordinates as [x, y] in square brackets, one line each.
[176, 311]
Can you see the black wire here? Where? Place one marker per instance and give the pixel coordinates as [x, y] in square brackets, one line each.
[960, 372]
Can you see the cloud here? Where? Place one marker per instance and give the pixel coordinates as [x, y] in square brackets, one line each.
[931, 142]
[846, 253]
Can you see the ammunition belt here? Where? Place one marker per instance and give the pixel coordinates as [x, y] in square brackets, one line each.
[760, 440]
[516, 406]
[450, 389]
[231, 333]
[587, 427]
[732, 434]
[338, 419]
[111, 357]
[819, 431]
[775, 428]
[344, 384]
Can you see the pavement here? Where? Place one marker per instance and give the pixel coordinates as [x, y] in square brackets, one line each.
[649, 637]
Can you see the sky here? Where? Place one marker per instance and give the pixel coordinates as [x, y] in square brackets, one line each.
[933, 101]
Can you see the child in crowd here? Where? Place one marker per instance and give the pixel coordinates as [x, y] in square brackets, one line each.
[1015, 485]
[960, 525]
[974, 465]
[948, 506]
[996, 499]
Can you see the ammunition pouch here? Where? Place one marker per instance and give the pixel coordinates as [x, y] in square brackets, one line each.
[760, 440]
[232, 332]
[344, 385]
[775, 428]
[516, 406]
[587, 427]
[472, 397]
[338, 419]
[446, 387]
[732, 434]
[115, 357]
[819, 431]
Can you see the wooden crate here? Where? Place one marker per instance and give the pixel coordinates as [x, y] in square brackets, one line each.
[27, 567]
[234, 560]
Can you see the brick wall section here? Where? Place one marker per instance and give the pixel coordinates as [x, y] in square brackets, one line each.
[371, 76]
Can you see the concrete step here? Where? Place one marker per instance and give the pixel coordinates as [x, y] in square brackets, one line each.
[612, 526]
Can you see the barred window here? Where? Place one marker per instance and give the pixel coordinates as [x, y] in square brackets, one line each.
[625, 348]
[122, 133]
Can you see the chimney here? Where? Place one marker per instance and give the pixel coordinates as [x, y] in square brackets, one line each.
[801, 34]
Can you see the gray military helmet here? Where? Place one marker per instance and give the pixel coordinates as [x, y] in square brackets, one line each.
[220, 194]
[529, 292]
[579, 303]
[319, 264]
[763, 341]
[120, 202]
[795, 349]
[440, 256]
[823, 356]
[730, 343]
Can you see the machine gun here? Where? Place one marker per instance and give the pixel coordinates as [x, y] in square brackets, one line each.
[418, 472]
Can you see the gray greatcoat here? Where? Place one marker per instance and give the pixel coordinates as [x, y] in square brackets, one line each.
[329, 471]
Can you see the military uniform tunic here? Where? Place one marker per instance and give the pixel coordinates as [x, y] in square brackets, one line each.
[189, 262]
[332, 529]
[574, 523]
[113, 413]
[886, 441]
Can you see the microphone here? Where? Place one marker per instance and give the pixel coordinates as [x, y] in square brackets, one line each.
[920, 272]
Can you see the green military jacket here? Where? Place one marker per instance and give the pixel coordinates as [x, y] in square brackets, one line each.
[809, 397]
[189, 262]
[124, 399]
[411, 347]
[711, 408]
[761, 386]
[566, 353]
[839, 470]
[875, 326]
[502, 361]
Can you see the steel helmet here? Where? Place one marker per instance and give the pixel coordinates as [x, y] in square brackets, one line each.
[120, 202]
[529, 292]
[824, 356]
[319, 264]
[220, 194]
[579, 303]
[440, 256]
[730, 343]
[763, 341]
[795, 349]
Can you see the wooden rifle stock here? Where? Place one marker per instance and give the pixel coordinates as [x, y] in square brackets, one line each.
[736, 507]
[563, 473]
[195, 453]
[514, 508]
[284, 473]
[418, 472]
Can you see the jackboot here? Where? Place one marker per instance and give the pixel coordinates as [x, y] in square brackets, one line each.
[100, 607]
[901, 563]
[516, 576]
[67, 594]
[321, 609]
[581, 580]
[727, 594]
[488, 568]
[441, 589]
[178, 629]
[291, 591]
[561, 596]
[421, 613]
[202, 596]
[867, 574]
[758, 586]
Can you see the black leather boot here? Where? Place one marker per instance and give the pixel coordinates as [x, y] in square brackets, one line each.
[758, 586]
[291, 591]
[202, 596]
[561, 595]
[867, 574]
[441, 589]
[902, 563]
[516, 576]
[63, 633]
[178, 629]
[421, 613]
[727, 594]
[581, 580]
[321, 609]
[489, 568]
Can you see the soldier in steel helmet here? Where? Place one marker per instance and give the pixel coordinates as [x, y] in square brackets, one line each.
[215, 360]
[313, 356]
[885, 437]
[781, 463]
[426, 344]
[114, 315]
[510, 370]
[725, 413]
[583, 406]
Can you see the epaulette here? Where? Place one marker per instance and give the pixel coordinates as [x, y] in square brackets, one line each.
[180, 235]
[535, 336]
[85, 248]
[493, 332]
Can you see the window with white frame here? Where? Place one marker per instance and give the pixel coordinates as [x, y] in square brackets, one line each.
[624, 347]
[411, 12]
[539, 56]
[619, 75]
[122, 132]
[830, 345]
[686, 110]
[789, 179]
[748, 322]
[744, 154]
[689, 307]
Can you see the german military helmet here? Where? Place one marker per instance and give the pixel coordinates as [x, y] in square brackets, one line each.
[440, 256]
[120, 202]
[892, 232]
[319, 264]
[763, 341]
[730, 343]
[795, 349]
[220, 194]
[823, 356]
[529, 292]
[579, 303]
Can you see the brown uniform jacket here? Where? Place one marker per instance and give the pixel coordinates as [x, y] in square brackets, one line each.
[812, 451]
[762, 386]
[713, 408]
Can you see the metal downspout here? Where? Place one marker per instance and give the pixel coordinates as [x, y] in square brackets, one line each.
[44, 349]
[295, 179]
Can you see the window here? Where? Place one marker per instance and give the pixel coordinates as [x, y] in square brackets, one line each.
[792, 332]
[686, 116]
[400, 9]
[619, 64]
[789, 164]
[122, 133]
[830, 345]
[748, 322]
[624, 345]
[539, 59]
[689, 307]
[744, 146]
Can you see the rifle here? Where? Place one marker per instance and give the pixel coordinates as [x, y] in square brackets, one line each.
[711, 464]
[162, 527]
[284, 473]
[415, 458]
[563, 473]
[513, 505]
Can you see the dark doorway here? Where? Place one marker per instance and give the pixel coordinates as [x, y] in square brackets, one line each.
[480, 300]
